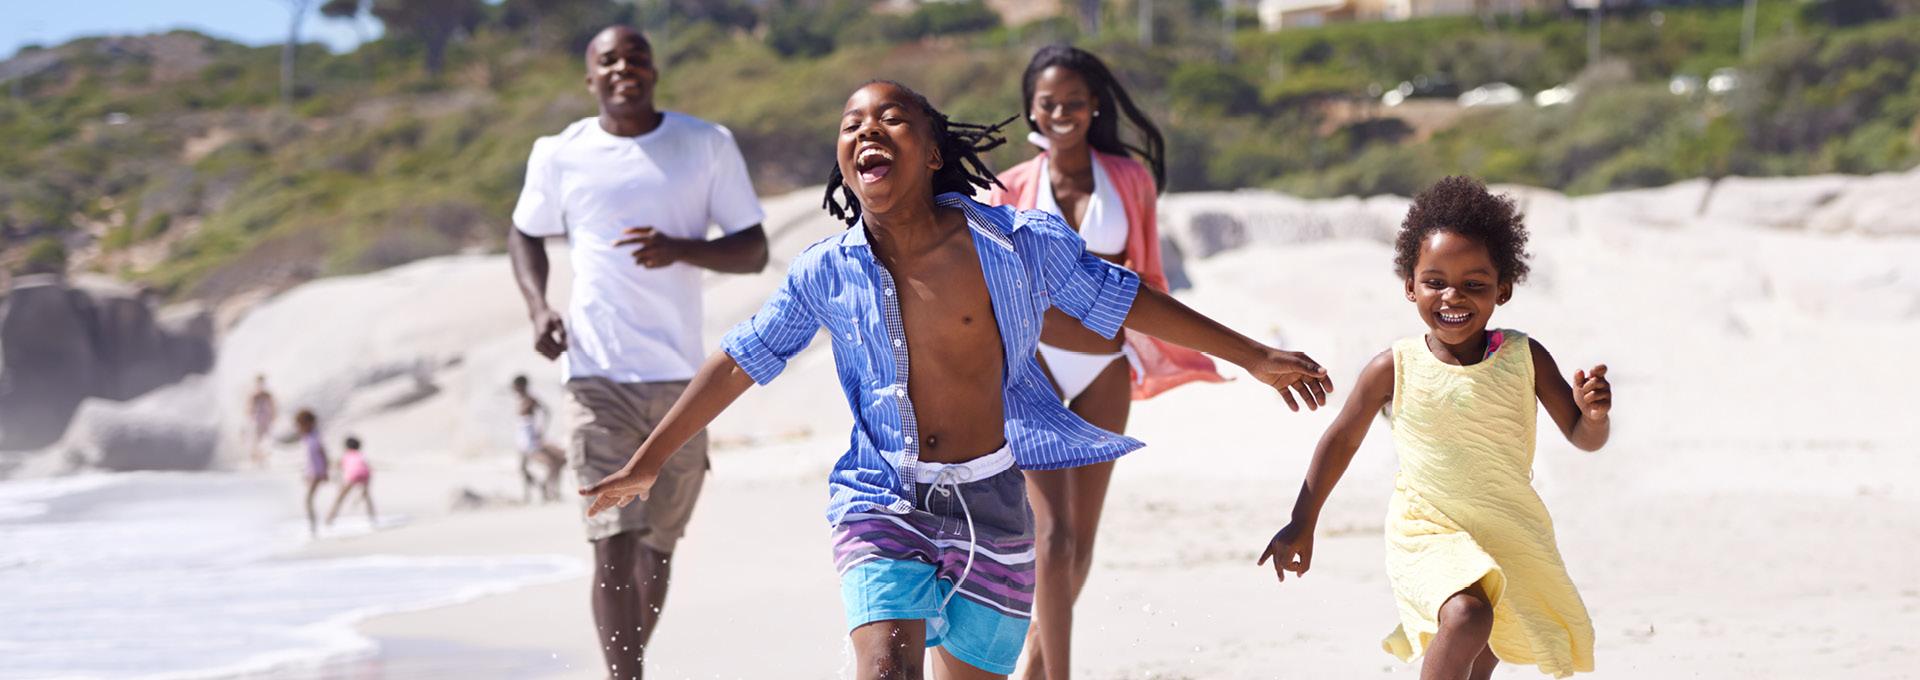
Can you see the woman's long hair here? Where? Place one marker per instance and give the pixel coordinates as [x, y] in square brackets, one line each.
[1104, 133]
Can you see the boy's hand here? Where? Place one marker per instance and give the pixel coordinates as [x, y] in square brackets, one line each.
[1291, 550]
[619, 488]
[1593, 393]
[1282, 369]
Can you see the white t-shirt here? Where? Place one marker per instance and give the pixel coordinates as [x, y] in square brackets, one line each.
[625, 322]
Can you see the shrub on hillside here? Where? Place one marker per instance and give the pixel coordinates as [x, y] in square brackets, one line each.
[44, 256]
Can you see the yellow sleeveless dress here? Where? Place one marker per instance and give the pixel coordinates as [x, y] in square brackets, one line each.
[1464, 510]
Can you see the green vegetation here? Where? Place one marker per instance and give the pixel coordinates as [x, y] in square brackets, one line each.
[402, 150]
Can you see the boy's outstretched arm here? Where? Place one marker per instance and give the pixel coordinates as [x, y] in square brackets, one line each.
[1581, 409]
[718, 383]
[1158, 314]
[1292, 548]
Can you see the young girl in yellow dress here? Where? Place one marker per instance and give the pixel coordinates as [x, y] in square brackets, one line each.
[1470, 549]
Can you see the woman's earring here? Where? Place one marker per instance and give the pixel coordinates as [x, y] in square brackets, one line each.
[1096, 113]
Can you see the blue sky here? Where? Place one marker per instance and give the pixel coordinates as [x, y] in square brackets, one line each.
[256, 22]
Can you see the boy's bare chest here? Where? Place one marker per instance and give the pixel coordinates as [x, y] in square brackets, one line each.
[948, 312]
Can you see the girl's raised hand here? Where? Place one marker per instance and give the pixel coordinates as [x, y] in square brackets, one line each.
[1291, 550]
[1593, 393]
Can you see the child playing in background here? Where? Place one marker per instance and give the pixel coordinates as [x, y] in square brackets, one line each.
[308, 427]
[1470, 547]
[353, 468]
[535, 452]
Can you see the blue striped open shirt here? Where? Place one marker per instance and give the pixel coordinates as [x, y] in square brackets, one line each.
[1031, 261]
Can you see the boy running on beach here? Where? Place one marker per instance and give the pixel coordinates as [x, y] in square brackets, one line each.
[935, 304]
[1470, 548]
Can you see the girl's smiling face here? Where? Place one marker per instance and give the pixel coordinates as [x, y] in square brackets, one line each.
[1062, 107]
[1456, 286]
[886, 151]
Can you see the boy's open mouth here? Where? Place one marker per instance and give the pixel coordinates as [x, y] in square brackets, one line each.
[872, 164]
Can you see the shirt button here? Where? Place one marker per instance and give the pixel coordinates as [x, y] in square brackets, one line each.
[889, 292]
[909, 439]
[896, 342]
[900, 391]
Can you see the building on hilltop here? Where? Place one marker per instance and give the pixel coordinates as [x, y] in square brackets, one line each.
[1282, 14]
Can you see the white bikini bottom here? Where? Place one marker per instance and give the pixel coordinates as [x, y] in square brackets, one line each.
[1074, 371]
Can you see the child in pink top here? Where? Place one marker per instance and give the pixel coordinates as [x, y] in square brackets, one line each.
[353, 467]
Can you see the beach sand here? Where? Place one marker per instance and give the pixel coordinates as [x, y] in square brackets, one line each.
[1754, 516]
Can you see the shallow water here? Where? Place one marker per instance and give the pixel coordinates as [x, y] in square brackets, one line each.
[178, 575]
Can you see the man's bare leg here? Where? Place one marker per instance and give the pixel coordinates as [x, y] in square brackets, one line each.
[629, 591]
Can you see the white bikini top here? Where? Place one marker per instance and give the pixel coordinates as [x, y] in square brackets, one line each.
[1104, 227]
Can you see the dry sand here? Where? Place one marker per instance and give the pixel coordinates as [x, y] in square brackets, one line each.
[1755, 515]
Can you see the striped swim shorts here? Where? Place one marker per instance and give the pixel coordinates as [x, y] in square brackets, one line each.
[962, 560]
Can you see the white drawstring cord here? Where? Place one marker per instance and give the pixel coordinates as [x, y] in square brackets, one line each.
[947, 481]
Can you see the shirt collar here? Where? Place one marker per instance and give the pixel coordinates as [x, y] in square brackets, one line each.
[992, 224]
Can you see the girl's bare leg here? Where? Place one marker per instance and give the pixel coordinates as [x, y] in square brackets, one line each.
[366, 494]
[313, 523]
[339, 501]
[1483, 665]
[1466, 621]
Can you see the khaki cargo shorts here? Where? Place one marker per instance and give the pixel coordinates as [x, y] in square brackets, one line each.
[610, 420]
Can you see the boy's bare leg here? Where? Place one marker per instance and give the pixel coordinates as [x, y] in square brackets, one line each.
[526, 478]
[339, 501]
[1067, 506]
[366, 494]
[946, 667]
[889, 650]
[1466, 621]
[628, 594]
[1483, 664]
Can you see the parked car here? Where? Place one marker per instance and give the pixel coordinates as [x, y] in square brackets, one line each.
[1723, 80]
[1683, 85]
[1555, 96]
[1420, 87]
[1492, 94]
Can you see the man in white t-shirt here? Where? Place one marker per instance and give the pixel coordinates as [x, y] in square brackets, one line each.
[635, 190]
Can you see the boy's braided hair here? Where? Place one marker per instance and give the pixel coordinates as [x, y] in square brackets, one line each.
[960, 147]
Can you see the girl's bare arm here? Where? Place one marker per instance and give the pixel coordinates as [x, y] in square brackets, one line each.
[1581, 410]
[1292, 548]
